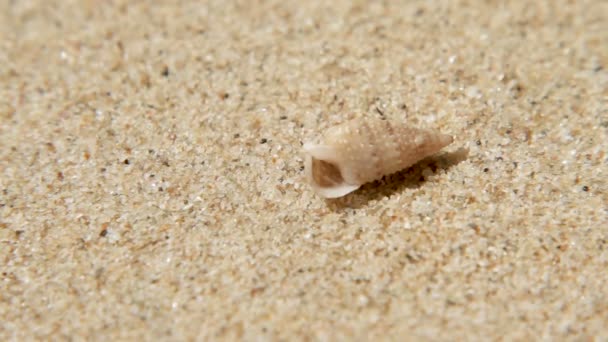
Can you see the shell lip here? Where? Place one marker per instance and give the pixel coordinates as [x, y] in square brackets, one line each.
[325, 154]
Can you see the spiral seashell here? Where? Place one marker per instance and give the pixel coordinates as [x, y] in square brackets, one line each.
[364, 150]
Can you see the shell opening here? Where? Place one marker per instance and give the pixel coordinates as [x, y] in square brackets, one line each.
[324, 174]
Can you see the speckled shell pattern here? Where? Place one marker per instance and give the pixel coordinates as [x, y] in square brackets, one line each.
[371, 148]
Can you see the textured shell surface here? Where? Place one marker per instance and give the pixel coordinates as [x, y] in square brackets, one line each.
[363, 150]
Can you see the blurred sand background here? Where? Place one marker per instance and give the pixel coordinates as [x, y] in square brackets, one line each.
[151, 183]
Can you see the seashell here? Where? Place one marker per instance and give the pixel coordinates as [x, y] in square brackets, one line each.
[363, 150]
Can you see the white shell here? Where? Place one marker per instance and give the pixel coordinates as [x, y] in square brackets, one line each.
[363, 150]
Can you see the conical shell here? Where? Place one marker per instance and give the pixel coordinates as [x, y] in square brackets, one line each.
[363, 150]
